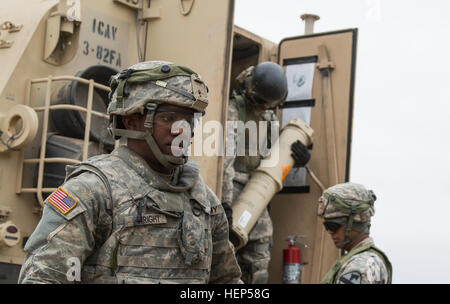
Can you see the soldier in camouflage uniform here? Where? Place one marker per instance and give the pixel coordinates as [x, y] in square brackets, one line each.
[346, 210]
[261, 89]
[141, 214]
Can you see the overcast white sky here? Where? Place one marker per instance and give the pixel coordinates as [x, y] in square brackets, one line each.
[401, 117]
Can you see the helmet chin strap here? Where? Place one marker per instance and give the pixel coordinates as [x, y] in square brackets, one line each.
[348, 228]
[168, 161]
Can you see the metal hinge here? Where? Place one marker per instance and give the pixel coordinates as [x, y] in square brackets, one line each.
[10, 27]
[4, 213]
[134, 4]
[62, 32]
[5, 44]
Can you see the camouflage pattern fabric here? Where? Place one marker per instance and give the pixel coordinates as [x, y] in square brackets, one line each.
[254, 257]
[239, 168]
[228, 163]
[366, 267]
[139, 93]
[131, 226]
[353, 194]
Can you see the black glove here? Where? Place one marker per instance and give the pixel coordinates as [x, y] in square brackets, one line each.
[300, 154]
[228, 213]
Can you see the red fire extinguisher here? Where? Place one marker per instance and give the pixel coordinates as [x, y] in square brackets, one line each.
[291, 261]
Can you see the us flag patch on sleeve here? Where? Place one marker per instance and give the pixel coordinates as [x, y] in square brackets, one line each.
[62, 200]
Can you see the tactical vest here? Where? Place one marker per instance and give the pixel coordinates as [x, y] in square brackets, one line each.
[330, 276]
[155, 236]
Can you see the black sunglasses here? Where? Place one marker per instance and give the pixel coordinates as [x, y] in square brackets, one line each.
[331, 226]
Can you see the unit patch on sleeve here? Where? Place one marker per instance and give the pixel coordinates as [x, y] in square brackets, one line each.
[353, 277]
[62, 200]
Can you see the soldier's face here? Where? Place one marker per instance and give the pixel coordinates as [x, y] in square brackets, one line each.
[172, 129]
[164, 133]
[338, 236]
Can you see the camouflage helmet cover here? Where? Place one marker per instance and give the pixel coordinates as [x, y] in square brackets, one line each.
[157, 82]
[344, 199]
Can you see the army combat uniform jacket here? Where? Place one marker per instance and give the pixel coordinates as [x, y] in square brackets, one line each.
[120, 222]
[364, 264]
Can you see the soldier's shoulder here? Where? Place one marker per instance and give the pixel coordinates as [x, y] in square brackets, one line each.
[216, 205]
[107, 167]
[102, 160]
[214, 200]
[211, 198]
[363, 268]
[93, 164]
[365, 258]
[202, 187]
[85, 183]
[78, 194]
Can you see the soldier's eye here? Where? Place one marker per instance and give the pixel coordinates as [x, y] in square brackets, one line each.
[165, 117]
[170, 117]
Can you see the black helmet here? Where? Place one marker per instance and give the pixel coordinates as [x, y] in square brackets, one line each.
[265, 84]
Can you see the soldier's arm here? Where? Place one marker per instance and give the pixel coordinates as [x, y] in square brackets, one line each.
[364, 268]
[61, 240]
[228, 175]
[224, 267]
[230, 155]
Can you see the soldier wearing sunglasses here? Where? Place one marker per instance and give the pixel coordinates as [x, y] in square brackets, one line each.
[346, 210]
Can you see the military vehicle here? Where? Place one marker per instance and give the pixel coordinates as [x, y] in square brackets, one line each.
[57, 58]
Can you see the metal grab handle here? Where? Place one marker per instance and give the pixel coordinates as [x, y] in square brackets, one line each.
[42, 160]
[185, 11]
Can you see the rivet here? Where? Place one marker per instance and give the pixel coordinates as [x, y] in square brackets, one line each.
[165, 69]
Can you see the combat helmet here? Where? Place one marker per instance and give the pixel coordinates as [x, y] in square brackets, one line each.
[142, 88]
[348, 204]
[264, 85]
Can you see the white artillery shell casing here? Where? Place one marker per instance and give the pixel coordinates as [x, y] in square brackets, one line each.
[253, 199]
[266, 180]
